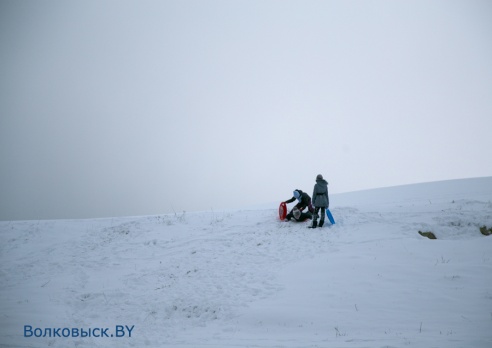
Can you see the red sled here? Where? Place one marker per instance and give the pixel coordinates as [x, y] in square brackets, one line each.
[282, 210]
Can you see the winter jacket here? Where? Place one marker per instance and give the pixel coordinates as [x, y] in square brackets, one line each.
[320, 194]
[303, 217]
[305, 201]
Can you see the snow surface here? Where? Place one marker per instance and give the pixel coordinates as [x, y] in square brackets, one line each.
[246, 279]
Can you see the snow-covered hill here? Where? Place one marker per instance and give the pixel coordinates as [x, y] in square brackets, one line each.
[246, 279]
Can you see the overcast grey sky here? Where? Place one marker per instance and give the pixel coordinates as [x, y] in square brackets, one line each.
[111, 108]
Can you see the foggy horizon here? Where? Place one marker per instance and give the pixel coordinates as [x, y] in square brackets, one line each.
[141, 108]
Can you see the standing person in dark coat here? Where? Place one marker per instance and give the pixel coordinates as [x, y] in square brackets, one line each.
[304, 202]
[321, 200]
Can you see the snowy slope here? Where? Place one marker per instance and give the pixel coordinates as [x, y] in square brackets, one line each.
[246, 279]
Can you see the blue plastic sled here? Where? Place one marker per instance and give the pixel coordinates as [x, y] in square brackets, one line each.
[330, 217]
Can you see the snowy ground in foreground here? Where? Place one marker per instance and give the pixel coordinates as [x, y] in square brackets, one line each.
[246, 279]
